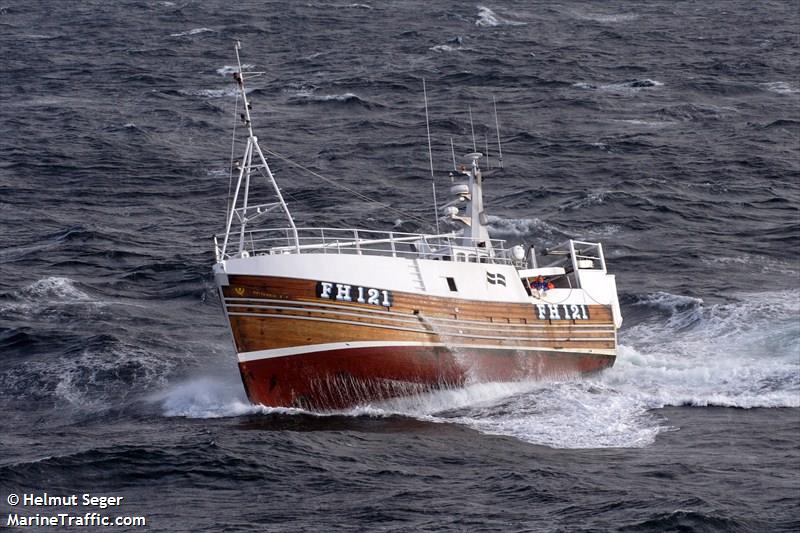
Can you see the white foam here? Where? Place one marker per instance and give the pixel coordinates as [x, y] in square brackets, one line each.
[590, 198]
[446, 48]
[309, 95]
[193, 31]
[740, 354]
[630, 86]
[668, 301]
[92, 380]
[488, 18]
[228, 92]
[781, 87]
[49, 295]
[205, 397]
[55, 288]
[227, 70]
[754, 263]
[569, 414]
[599, 17]
[647, 123]
[519, 227]
[602, 230]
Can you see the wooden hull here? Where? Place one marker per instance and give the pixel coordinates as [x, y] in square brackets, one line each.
[296, 349]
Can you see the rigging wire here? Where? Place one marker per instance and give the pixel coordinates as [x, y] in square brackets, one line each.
[344, 187]
[430, 157]
[233, 149]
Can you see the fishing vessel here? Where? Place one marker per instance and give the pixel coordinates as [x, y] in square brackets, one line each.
[326, 318]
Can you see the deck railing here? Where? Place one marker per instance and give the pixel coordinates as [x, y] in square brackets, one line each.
[578, 255]
[445, 247]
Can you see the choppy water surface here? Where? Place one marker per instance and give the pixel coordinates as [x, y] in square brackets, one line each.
[669, 131]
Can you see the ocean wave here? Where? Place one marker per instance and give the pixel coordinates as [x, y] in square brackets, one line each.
[228, 70]
[586, 200]
[46, 296]
[98, 376]
[668, 302]
[488, 18]
[228, 92]
[307, 96]
[754, 263]
[599, 17]
[54, 288]
[647, 123]
[695, 111]
[745, 353]
[634, 85]
[601, 230]
[520, 227]
[448, 48]
[781, 87]
[453, 45]
[207, 397]
[193, 31]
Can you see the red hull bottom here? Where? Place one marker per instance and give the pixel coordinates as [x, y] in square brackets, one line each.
[337, 379]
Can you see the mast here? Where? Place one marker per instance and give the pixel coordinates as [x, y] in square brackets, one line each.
[249, 213]
[476, 234]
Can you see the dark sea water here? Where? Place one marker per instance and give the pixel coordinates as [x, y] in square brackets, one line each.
[668, 130]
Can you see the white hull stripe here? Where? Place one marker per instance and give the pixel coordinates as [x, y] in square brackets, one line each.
[304, 305]
[433, 332]
[245, 357]
[408, 319]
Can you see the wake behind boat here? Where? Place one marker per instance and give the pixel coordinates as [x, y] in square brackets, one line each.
[326, 318]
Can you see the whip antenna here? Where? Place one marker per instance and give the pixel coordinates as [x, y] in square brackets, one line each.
[472, 127]
[430, 156]
[497, 125]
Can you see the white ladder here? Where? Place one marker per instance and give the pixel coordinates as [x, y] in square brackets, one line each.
[416, 276]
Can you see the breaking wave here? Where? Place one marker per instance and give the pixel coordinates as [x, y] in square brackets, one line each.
[627, 86]
[227, 70]
[745, 353]
[455, 44]
[520, 227]
[206, 397]
[487, 17]
[47, 295]
[228, 92]
[97, 377]
[598, 17]
[194, 31]
[308, 96]
[781, 87]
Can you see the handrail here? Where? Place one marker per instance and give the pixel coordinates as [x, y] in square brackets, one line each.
[447, 246]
